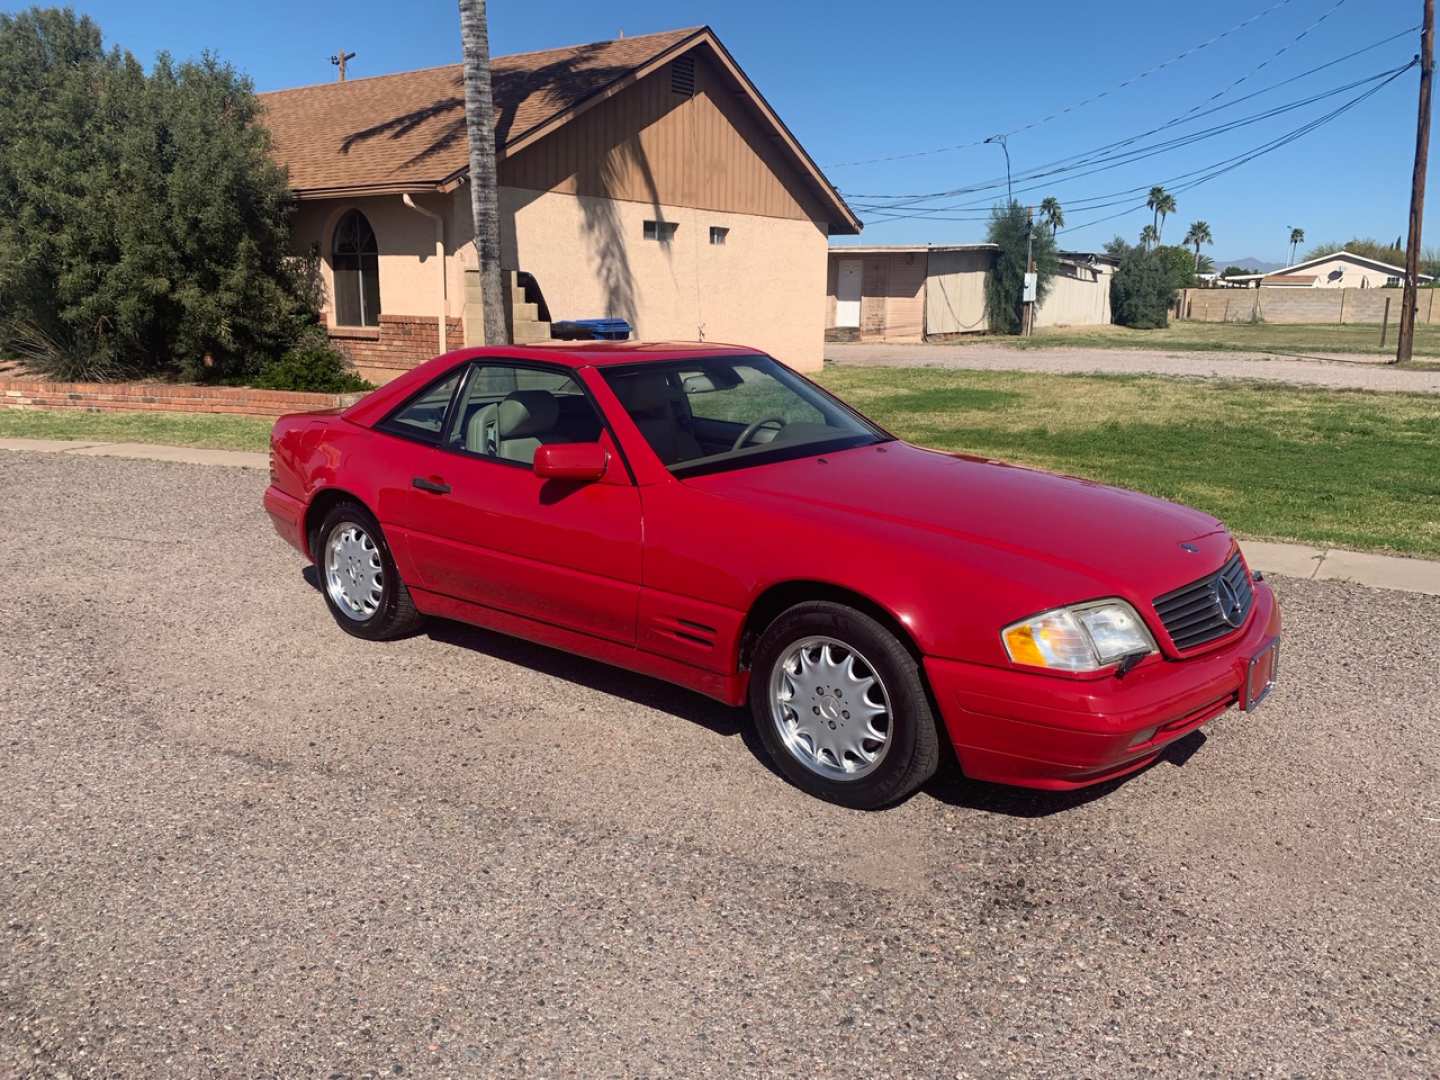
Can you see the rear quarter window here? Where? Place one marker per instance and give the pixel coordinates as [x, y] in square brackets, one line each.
[423, 416]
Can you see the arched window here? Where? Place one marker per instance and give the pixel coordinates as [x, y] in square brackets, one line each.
[356, 260]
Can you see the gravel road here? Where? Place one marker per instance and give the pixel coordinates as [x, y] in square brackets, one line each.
[235, 842]
[1338, 373]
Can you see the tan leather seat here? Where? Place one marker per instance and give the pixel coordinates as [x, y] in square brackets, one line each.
[525, 421]
[648, 399]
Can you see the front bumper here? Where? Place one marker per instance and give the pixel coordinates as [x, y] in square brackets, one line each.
[1043, 731]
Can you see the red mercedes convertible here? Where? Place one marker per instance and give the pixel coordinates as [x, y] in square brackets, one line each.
[703, 514]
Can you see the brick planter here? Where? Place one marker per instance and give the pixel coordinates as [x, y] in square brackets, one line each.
[31, 393]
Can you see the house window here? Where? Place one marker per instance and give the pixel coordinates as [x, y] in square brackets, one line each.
[356, 262]
[663, 231]
[718, 235]
[1392, 283]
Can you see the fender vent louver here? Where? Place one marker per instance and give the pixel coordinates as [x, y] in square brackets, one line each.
[686, 630]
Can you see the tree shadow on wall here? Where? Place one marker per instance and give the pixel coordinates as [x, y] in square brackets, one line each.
[525, 98]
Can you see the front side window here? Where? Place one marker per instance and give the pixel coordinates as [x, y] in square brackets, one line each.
[507, 413]
[355, 258]
[726, 412]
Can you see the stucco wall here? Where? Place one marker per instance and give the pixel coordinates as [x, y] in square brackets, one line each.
[955, 292]
[1299, 306]
[1079, 296]
[764, 287]
[409, 282]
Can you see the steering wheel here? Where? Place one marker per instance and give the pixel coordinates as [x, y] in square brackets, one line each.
[749, 432]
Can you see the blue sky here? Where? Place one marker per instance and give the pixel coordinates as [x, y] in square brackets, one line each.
[864, 81]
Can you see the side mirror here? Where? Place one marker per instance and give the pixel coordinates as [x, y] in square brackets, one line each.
[579, 462]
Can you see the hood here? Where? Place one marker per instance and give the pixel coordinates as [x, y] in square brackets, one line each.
[1115, 541]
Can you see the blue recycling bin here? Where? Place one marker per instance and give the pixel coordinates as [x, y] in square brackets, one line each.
[591, 330]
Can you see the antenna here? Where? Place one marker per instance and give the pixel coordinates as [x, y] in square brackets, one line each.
[339, 61]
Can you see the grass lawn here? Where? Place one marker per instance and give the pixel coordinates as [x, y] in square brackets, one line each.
[214, 431]
[1239, 337]
[1352, 469]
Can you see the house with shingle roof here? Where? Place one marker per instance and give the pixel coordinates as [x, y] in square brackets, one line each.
[644, 178]
[1337, 270]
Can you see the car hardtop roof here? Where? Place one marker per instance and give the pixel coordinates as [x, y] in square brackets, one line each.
[606, 353]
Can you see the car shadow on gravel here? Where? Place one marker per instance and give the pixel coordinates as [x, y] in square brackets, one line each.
[950, 787]
[617, 682]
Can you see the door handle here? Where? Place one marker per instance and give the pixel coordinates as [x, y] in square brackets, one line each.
[439, 487]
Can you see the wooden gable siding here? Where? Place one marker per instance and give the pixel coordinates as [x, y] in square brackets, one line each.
[650, 144]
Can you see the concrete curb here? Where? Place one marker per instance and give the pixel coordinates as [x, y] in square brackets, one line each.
[239, 459]
[1286, 560]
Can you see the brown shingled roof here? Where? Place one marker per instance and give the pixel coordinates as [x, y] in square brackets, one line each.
[392, 132]
[406, 132]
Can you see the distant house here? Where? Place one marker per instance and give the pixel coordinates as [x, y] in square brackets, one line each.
[1339, 270]
[911, 292]
[644, 178]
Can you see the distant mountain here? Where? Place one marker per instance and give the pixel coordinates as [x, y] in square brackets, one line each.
[1254, 265]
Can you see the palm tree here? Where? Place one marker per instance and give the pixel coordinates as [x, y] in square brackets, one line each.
[1148, 236]
[1052, 214]
[1157, 196]
[1297, 237]
[1163, 205]
[484, 188]
[1199, 234]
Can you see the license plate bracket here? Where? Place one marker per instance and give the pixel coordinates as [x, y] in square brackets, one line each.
[1260, 675]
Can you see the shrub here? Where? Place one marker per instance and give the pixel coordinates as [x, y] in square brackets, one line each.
[1141, 290]
[1005, 284]
[143, 223]
[311, 364]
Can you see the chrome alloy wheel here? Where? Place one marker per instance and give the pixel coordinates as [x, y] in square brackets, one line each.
[830, 708]
[354, 574]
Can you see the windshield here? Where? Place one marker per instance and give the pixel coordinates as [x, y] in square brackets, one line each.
[718, 412]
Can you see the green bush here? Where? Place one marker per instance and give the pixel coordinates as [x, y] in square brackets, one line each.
[1004, 285]
[1142, 288]
[143, 223]
[312, 364]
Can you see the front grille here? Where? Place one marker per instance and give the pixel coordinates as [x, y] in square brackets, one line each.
[1194, 615]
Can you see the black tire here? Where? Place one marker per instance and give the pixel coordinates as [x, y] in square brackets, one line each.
[913, 754]
[395, 615]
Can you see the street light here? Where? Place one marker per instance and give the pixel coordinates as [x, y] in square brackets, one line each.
[1009, 195]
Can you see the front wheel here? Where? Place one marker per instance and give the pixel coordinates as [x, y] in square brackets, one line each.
[362, 588]
[841, 706]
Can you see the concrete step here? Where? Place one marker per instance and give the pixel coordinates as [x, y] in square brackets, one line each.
[529, 331]
[525, 312]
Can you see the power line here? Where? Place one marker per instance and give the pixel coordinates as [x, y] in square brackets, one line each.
[1094, 162]
[1086, 101]
[1193, 114]
[1265, 148]
[1195, 177]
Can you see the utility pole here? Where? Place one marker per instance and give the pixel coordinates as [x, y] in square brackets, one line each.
[1417, 189]
[339, 61]
[1027, 320]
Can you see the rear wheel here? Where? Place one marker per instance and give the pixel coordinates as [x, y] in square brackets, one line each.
[358, 578]
[841, 706]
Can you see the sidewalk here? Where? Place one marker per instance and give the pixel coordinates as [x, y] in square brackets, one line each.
[239, 459]
[1286, 560]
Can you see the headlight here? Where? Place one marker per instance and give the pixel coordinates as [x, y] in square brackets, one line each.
[1084, 637]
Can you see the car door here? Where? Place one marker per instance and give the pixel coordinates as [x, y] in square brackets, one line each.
[480, 526]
